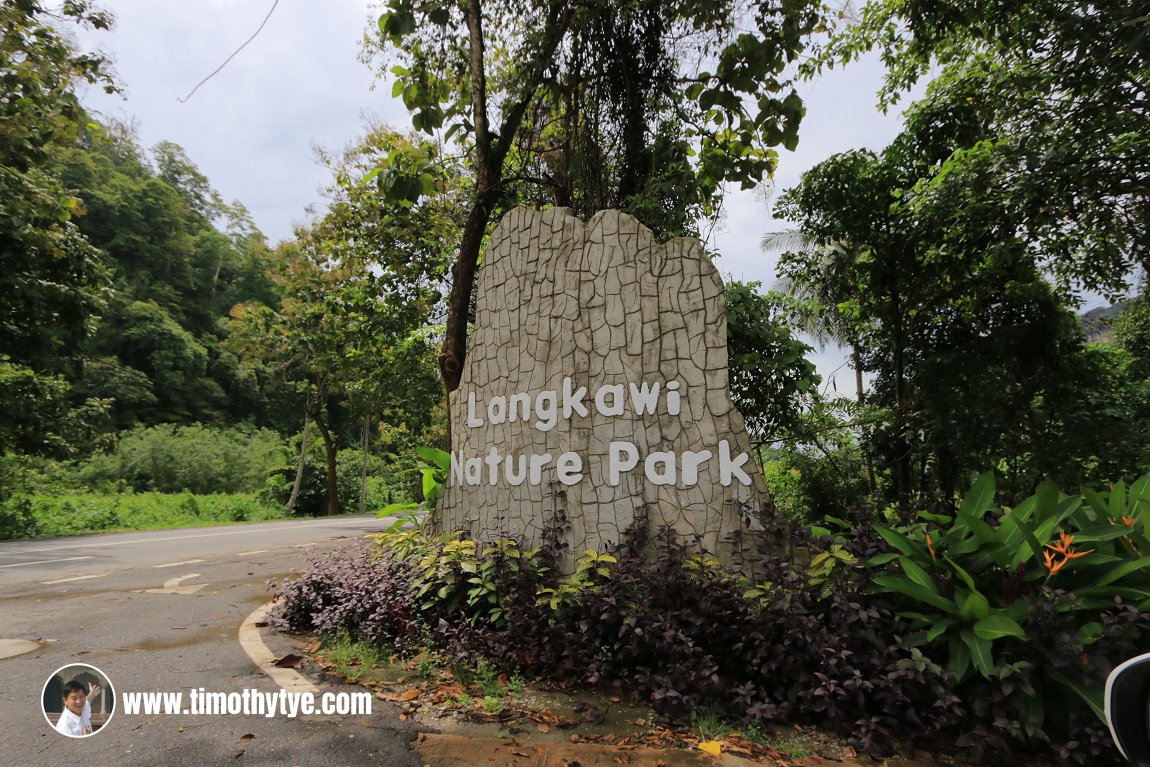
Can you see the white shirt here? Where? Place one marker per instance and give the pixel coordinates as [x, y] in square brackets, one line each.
[76, 726]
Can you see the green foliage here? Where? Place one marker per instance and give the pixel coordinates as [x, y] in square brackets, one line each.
[433, 468]
[50, 276]
[666, 122]
[697, 641]
[351, 658]
[199, 459]
[592, 106]
[385, 486]
[77, 514]
[785, 486]
[771, 380]
[974, 357]
[971, 581]
[590, 570]
[1007, 77]
[454, 576]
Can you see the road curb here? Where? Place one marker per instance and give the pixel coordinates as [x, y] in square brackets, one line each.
[252, 642]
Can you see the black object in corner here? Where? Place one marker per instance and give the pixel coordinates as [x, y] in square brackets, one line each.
[1128, 709]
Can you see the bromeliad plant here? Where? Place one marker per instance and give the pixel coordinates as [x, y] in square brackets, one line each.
[977, 581]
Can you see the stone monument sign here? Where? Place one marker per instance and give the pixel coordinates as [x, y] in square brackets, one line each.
[594, 397]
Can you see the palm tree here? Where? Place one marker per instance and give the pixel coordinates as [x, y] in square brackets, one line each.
[814, 307]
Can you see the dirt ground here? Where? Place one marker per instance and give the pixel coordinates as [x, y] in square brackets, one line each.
[488, 719]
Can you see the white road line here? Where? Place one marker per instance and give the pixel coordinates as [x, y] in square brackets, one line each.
[45, 561]
[246, 553]
[171, 583]
[77, 578]
[177, 564]
[264, 658]
[244, 531]
[172, 586]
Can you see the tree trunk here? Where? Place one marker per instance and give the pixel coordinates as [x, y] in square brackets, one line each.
[363, 469]
[329, 448]
[868, 461]
[303, 451]
[490, 151]
[902, 444]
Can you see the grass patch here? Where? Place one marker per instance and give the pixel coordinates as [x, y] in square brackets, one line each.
[709, 727]
[789, 747]
[80, 513]
[351, 659]
[486, 679]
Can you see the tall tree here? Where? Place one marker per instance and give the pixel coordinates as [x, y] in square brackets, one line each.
[1047, 105]
[972, 351]
[50, 276]
[575, 103]
[357, 288]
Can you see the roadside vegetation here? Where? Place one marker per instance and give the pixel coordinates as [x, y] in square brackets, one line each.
[986, 631]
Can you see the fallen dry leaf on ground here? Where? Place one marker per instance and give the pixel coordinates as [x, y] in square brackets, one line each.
[246, 738]
[712, 747]
[291, 660]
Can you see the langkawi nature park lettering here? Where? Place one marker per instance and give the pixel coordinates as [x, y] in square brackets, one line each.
[547, 408]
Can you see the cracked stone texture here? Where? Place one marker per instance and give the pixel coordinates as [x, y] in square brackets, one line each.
[603, 303]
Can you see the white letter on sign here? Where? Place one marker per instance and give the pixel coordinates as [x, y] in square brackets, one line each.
[569, 468]
[472, 420]
[729, 468]
[667, 461]
[617, 464]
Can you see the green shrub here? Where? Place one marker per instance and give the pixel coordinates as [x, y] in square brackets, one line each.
[385, 484]
[171, 459]
[785, 485]
[993, 635]
[16, 519]
[76, 514]
[1029, 607]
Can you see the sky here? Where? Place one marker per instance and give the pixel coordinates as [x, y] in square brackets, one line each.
[253, 127]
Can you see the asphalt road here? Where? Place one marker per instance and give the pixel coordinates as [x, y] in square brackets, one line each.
[128, 604]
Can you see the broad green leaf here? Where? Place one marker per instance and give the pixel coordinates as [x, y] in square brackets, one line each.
[959, 661]
[979, 498]
[1046, 502]
[963, 547]
[980, 652]
[917, 574]
[900, 542]
[974, 607]
[1017, 528]
[1122, 571]
[392, 509]
[905, 586]
[882, 559]
[1096, 502]
[1118, 500]
[435, 457]
[996, 626]
[938, 629]
[963, 574]
[1035, 715]
[984, 532]
[1100, 534]
[1091, 632]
